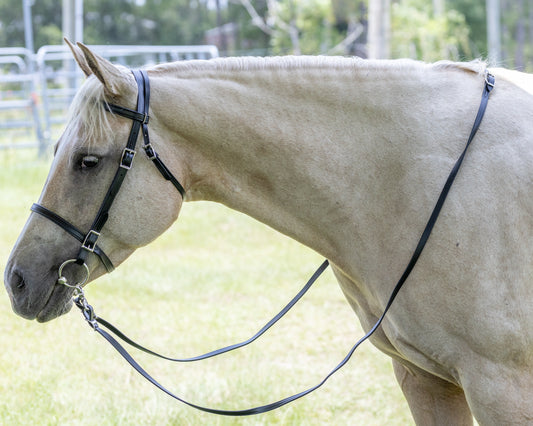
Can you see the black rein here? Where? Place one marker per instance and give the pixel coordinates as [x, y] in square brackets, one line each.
[140, 120]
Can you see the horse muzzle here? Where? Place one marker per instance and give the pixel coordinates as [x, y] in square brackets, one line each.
[39, 298]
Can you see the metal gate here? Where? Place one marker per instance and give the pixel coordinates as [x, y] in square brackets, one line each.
[36, 90]
[20, 124]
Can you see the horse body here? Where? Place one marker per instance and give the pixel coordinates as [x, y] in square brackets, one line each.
[348, 157]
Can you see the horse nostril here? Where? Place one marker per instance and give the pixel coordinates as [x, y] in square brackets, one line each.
[17, 281]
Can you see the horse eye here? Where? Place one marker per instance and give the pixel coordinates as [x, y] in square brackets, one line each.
[89, 161]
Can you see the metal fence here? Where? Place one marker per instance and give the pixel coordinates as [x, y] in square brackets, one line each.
[36, 89]
[19, 112]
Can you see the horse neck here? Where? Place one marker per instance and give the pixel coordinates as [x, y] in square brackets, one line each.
[301, 149]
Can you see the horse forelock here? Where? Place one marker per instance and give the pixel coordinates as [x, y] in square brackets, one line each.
[87, 119]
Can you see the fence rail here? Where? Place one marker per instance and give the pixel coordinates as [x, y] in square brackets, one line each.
[36, 89]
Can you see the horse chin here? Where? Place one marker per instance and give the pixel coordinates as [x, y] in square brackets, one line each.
[59, 303]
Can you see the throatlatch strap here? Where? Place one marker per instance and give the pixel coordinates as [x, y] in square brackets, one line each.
[149, 149]
[142, 117]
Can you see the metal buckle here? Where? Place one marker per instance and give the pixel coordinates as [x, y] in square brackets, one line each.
[487, 78]
[146, 118]
[89, 243]
[150, 152]
[127, 158]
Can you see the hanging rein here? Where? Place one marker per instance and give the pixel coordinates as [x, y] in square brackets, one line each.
[89, 245]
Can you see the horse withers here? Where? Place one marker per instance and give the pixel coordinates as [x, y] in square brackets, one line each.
[347, 157]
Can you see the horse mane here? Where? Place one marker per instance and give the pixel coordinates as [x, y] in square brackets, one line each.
[476, 66]
[87, 119]
[184, 68]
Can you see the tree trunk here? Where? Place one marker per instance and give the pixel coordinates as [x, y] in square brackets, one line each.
[520, 37]
[379, 29]
[438, 8]
[493, 31]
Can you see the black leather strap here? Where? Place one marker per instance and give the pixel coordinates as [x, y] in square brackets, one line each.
[125, 165]
[149, 149]
[225, 349]
[141, 116]
[95, 320]
[487, 89]
[127, 113]
[140, 120]
[72, 230]
[489, 85]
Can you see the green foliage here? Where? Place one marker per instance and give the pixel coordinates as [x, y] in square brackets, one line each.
[474, 12]
[46, 23]
[249, 39]
[314, 21]
[517, 30]
[305, 26]
[11, 24]
[157, 22]
[417, 34]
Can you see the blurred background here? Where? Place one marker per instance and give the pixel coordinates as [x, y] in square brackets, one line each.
[421, 29]
[216, 276]
[38, 77]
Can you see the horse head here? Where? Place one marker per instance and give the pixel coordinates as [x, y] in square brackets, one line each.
[85, 162]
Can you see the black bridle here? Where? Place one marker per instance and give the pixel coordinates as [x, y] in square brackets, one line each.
[89, 245]
[140, 120]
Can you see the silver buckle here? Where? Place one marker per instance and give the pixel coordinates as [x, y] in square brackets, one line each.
[487, 82]
[125, 162]
[86, 245]
[150, 151]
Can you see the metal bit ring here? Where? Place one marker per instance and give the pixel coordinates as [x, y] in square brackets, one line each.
[63, 281]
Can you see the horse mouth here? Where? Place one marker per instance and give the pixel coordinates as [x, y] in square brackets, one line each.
[59, 303]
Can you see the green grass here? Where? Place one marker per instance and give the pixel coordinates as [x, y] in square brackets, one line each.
[213, 279]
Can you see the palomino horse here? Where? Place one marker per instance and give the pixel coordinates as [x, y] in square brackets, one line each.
[348, 157]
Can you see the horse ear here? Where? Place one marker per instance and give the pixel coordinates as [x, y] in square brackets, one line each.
[80, 59]
[114, 81]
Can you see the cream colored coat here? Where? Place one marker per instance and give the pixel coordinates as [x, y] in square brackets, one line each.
[348, 157]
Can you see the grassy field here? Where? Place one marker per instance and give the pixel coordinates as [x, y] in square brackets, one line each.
[213, 279]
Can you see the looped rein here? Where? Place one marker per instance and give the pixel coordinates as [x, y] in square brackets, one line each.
[140, 118]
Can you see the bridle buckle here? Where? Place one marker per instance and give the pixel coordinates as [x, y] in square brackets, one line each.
[127, 158]
[150, 152]
[489, 79]
[89, 243]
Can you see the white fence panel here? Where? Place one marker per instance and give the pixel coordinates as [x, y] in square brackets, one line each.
[43, 85]
[20, 125]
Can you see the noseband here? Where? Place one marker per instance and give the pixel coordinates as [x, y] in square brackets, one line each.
[140, 120]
